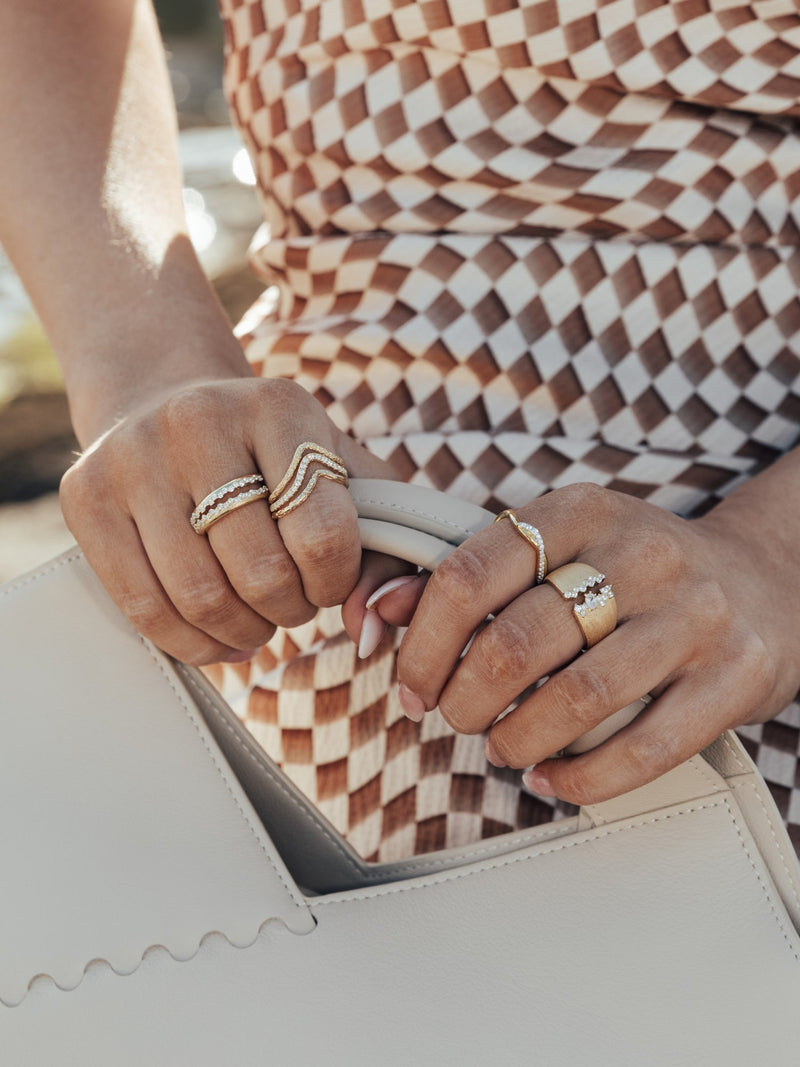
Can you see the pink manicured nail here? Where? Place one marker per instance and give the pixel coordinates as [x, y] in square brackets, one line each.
[389, 587]
[413, 706]
[372, 630]
[538, 782]
[241, 657]
[491, 755]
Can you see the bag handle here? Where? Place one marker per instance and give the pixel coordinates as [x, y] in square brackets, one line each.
[423, 526]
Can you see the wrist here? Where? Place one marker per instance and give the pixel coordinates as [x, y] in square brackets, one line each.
[138, 373]
[753, 530]
[161, 343]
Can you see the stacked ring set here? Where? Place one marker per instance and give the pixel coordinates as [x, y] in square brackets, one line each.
[595, 609]
[309, 463]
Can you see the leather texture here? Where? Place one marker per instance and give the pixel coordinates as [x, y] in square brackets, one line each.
[169, 898]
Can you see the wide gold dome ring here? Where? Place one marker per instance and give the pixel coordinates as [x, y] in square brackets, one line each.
[595, 607]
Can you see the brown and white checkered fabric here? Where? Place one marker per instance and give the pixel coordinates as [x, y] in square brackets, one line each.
[512, 244]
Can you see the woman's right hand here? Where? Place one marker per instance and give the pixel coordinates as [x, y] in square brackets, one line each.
[217, 596]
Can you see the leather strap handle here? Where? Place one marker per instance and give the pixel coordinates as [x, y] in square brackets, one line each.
[423, 526]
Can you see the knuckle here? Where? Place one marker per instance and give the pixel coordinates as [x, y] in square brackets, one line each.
[579, 696]
[281, 393]
[271, 586]
[707, 600]
[202, 655]
[316, 544]
[663, 553]
[80, 491]
[266, 580]
[649, 755]
[294, 613]
[755, 663]
[188, 411]
[503, 651]
[577, 784]
[462, 718]
[580, 497]
[458, 578]
[327, 558]
[206, 603]
[147, 612]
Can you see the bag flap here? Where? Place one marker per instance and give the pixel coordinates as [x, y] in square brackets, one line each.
[123, 826]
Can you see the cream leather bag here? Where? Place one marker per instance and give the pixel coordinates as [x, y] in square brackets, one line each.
[168, 898]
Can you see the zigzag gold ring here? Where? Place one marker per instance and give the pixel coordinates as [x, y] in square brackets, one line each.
[309, 463]
[534, 539]
[595, 610]
[227, 498]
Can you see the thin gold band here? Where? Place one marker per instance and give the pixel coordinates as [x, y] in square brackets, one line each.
[534, 539]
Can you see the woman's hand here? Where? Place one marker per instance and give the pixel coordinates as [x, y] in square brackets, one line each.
[218, 595]
[708, 624]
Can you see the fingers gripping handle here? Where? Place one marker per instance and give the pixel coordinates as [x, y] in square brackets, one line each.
[423, 526]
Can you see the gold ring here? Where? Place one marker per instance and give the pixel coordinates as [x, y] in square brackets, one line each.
[294, 489]
[595, 609]
[534, 539]
[227, 498]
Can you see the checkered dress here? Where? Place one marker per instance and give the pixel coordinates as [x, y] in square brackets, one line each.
[509, 245]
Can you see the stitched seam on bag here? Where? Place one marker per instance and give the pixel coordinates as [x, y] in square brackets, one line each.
[696, 762]
[771, 823]
[297, 900]
[392, 868]
[507, 861]
[29, 579]
[264, 766]
[433, 865]
[707, 774]
[419, 865]
[404, 509]
[732, 750]
[764, 886]
[510, 860]
[446, 878]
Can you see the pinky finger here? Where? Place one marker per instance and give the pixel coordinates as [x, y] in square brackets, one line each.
[134, 587]
[672, 729]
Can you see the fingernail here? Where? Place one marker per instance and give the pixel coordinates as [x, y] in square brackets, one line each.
[413, 706]
[241, 657]
[491, 755]
[538, 782]
[372, 630]
[389, 587]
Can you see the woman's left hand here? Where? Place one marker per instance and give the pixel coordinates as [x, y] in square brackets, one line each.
[706, 625]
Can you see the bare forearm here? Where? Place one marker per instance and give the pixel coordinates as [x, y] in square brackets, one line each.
[91, 212]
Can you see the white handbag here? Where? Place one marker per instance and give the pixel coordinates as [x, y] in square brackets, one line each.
[168, 897]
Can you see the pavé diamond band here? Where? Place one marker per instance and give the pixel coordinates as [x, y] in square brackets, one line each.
[534, 539]
[227, 498]
[309, 463]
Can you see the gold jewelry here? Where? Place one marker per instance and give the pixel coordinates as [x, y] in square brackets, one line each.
[214, 506]
[596, 610]
[293, 489]
[534, 539]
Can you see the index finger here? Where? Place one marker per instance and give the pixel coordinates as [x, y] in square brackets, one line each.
[485, 574]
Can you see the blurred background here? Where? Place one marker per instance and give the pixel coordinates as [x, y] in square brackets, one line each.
[36, 442]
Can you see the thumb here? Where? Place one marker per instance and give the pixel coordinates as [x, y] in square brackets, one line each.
[386, 594]
[388, 589]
